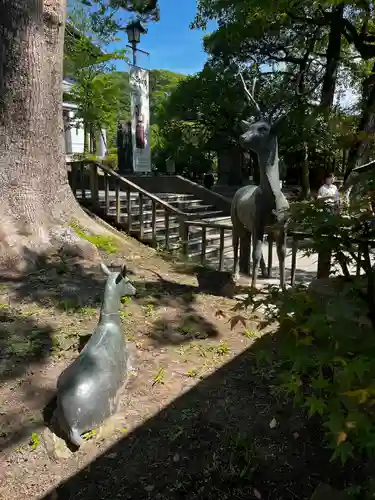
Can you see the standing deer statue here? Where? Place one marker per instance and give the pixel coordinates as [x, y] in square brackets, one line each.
[88, 389]
[254, 208]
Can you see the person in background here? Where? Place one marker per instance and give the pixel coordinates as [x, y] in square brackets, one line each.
[328, 192]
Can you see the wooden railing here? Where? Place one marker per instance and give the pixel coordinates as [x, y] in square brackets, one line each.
[80, 170]
[128, 187]
[222, 228]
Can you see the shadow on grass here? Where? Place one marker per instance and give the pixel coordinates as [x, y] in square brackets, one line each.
[215, 442]
[22, 341]
[52, 304]
[60, 283]
[174, 328]
[220, 282]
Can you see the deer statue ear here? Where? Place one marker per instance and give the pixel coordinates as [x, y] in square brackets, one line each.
[245, 125]
[124, 271]
[105, 269]
[275, 127]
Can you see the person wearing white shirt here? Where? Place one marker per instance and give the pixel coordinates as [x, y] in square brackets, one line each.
[328, 192]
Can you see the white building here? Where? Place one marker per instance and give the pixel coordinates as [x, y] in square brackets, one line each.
[74, 134]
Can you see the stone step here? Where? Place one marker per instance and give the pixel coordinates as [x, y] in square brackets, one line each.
[174, 227]
[199, 213]
[134, 196]
[148, 202]
[195, 242]
[185, 203]
[212, 252]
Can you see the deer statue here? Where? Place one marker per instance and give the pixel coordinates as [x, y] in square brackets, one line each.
[88, 389]
[254, 208]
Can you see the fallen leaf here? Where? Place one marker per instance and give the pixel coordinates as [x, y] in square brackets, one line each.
[341, 438]
[257, 494]
[273, 423]
[220, 314]
[237, 319]
[295, 435]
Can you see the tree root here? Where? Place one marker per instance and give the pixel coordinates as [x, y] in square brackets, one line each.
[22, 250]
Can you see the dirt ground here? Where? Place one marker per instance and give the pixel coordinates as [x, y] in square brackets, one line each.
[198, 418]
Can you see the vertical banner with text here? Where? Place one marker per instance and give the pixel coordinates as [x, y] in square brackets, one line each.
[140, 112]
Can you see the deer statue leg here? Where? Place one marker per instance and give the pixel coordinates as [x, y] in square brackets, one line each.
[236, 243]
[280, 247]
[257, 254]
[263, 267]
[238, 232]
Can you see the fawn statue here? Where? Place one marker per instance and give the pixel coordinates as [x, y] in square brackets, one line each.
[254, 208]
[88, 389]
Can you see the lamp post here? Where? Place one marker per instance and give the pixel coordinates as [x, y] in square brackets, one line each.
[134, 31]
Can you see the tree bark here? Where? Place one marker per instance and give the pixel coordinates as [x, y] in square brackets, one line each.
[333, 56]
[305, 181]
[86, 137]
[36, 202]
[358, 153]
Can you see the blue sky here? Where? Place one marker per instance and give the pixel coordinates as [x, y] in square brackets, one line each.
[171, 43]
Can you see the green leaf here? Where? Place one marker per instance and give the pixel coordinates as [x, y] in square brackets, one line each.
[320, 383]
[315, 405]
[343, 452]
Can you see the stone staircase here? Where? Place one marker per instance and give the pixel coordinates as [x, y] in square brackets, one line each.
[194, 208]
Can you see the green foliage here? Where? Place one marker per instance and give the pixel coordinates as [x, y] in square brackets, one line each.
[326, 344]
[162, 84]
[101, 93]
[211, 101]
[105, 15]
[34, 441]
[110, 160]
[282, 40]
[199, 117]
[326, 363]
[95, 92]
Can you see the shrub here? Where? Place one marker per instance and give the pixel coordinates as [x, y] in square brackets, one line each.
[110, 161]
[326, 362]
[326, 354]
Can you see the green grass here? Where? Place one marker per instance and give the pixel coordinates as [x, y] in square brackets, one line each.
[105, 243]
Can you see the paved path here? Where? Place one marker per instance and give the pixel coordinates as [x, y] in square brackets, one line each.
[305, 271]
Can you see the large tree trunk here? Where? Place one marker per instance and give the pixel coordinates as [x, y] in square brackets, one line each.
[358, 153]
[36, 202]
[333, 55]
[305, 178]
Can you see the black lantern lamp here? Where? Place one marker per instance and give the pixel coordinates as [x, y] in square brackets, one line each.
[134, 30]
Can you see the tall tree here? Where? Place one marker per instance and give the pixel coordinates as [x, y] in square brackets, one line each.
[37, 203]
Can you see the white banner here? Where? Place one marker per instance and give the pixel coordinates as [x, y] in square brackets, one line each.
[140, 112]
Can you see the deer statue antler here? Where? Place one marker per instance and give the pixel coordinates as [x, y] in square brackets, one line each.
[250, 95]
